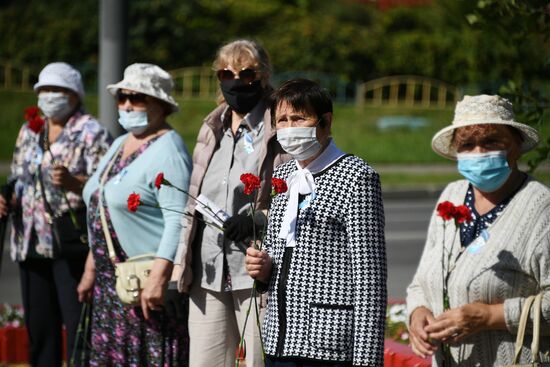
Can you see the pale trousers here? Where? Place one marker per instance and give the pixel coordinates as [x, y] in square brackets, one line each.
[216, 320]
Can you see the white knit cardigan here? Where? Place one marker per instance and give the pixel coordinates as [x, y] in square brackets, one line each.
[514, 263]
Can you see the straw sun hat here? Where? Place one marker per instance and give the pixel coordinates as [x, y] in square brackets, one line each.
[482, 109]
[148, 79]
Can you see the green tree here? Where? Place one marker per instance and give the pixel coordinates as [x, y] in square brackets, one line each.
[525, 25]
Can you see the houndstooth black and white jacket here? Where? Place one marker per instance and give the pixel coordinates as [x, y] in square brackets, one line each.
[327, 295]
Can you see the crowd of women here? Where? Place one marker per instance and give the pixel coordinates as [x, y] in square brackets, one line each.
[320, 276]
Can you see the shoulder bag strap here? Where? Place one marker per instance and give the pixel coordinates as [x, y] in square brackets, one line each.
[42, 144]
[522, 326]
[537, 306]
[45, 145]
[104, 225]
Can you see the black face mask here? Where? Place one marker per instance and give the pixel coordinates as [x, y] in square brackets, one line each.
[239, 96]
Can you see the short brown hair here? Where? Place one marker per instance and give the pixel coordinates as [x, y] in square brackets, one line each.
[462, 133]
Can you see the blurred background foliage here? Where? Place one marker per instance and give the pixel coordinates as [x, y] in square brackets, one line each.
[483, 46]
[462, 42]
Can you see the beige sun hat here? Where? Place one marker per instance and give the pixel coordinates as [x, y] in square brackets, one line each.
[148, 79]
[482, 109]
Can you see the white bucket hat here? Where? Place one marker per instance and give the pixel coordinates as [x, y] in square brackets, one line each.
[60, 74]
[482, 109]
[148, 79]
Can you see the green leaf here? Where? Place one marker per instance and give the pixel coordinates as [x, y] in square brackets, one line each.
[472, 19]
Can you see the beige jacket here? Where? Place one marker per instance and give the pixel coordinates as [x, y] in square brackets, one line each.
[210, 134]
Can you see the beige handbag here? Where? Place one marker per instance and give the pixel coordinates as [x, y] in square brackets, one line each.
[534, 303]
[131, 274]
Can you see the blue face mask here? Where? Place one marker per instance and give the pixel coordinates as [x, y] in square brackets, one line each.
[486, 171]
[133, 121]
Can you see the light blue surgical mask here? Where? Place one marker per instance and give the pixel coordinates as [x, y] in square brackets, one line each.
[133, 121]
[486, 171]
[54, 105]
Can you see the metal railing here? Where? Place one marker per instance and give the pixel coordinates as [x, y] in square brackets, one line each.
[16, 77]
[200, 82]
[197, 82]
[407, 90]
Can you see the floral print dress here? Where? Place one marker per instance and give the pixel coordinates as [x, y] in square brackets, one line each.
[79, 147]
[120, 334]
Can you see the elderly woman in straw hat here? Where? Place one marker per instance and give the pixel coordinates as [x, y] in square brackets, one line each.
[465, 300]
[144, 335]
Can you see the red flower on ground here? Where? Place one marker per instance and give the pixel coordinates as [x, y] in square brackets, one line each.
[462, 214]
[278, 186]
[251, 182]
[446, 210]
[159, 180]
[35, 122]
[133, 202]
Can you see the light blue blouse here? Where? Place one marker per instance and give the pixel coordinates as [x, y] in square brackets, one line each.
[150, 229]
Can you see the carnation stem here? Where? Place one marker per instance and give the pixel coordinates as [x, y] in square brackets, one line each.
[168, 183]
[183, 213]
[241, 342]
[254, 294]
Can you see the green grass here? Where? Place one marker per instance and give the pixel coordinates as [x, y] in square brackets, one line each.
[396, 180]
[355, 131]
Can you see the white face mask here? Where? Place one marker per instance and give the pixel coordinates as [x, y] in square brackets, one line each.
[135, 122]
[300, 142]
[54, 105]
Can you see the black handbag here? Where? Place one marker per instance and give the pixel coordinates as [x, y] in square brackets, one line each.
[69, 229]
[72, 242]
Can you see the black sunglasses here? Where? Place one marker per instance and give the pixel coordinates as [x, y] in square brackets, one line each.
[246, 75]
[134, 98]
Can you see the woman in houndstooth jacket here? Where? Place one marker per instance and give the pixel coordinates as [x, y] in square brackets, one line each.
[324, 263]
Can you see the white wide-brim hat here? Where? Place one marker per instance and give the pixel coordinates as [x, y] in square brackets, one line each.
[482, 109]
[148, 79]
[60, 74]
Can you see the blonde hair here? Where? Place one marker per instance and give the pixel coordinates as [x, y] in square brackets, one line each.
[244, 53]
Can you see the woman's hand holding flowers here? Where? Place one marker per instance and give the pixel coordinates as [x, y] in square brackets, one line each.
[458, 323]
[420, 340]
[61, 177]
[239, 227]
[258, 264]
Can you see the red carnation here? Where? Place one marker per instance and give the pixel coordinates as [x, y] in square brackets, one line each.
[251, 182]
[446, 210]
[34, 121]
[133, 202]
[278, 186]
[159, 180]
[31, 112]
[462, 214]
[36, 125]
